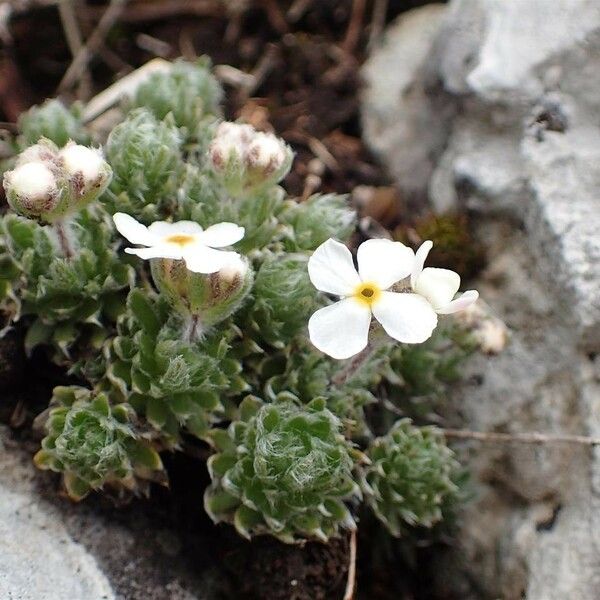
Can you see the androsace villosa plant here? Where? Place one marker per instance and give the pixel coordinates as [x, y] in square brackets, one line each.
[166, 268]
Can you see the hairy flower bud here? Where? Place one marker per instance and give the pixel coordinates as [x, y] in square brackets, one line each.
[44, 151]
[32, 190]
[246, 160]
[47, 184]
[88, 173]
[204, 299]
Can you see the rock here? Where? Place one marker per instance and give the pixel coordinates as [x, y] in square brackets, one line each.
[39, 559]
[522, 78]
[395, 75]
[527, 495]
[53, 549]
[517, 143]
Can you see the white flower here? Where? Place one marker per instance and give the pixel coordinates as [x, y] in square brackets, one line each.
[184, 240]
[235, 268]
[438, 286]
[342, 329]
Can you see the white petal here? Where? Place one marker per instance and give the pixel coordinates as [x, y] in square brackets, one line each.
[164, 228]
[437, 285]
[134, 231]
[420, 258]
[464, 300]
[331, 269]
[161, 229]
[407, 318]
[158, 251]
[222, 234]
[342, 329]
[384, 262]
[202, 259]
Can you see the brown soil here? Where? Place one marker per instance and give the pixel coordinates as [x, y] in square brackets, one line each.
[308, 69]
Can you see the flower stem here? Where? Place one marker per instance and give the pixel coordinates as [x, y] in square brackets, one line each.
[193, 329]
[62, 231]
[342, 376]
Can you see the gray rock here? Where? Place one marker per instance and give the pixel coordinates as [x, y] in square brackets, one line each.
[39, 559]
[395, 75]
[53, 549]
[522, 76]
[518, 144]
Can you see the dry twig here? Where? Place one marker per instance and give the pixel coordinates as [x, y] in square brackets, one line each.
[321, 151]
[355, 26]
[152, 11]
[74, 39]
[264, 66]
[351, 581]
[532, 437]
[377, 21]
[526, 437]
[297, 9]
[275, 16]
[96, 39]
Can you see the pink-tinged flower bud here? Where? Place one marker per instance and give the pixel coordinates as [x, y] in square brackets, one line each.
[32, 190]
[44, 151]
[48, 184]
[87, 171]
[245, 160]
[203, 299]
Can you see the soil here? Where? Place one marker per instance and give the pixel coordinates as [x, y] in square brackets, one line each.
[307, 90]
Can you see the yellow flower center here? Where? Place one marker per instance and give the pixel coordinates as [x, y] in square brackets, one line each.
[367, 293]
[180, 238]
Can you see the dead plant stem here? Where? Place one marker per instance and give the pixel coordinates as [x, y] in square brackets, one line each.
[96, 39]
[351, 581]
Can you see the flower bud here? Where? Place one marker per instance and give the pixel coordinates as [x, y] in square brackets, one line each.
[47, 184]
[32, 190]
[44, 151]
[87, 171]
[246, 160]
[205, 299]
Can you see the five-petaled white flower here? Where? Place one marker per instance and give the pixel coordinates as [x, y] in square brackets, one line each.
[438, 286]
[183, 240]
[341, 330]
